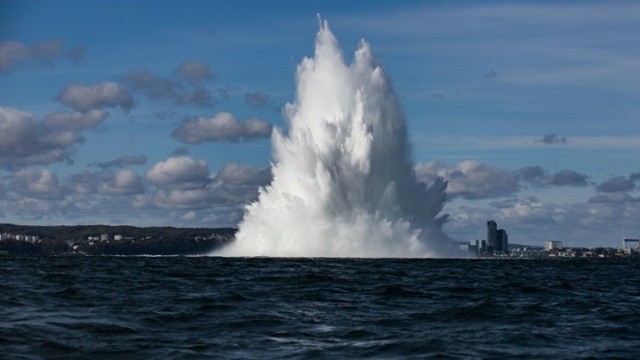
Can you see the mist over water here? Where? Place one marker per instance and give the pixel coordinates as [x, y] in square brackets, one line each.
[343, 181]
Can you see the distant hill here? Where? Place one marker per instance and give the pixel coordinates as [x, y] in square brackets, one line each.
[106, 239]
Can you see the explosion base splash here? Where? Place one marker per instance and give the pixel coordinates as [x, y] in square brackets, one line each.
[343, 182]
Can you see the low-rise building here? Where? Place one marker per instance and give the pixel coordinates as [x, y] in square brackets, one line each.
[553, 245]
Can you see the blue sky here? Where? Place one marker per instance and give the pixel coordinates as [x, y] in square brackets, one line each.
[112, 112]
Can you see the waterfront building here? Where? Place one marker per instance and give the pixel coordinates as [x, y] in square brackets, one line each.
[502, 242]
[497, 240]
[478, 247]
[492, 235]
[553, 245]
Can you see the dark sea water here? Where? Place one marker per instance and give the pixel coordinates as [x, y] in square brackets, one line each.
[203, 307]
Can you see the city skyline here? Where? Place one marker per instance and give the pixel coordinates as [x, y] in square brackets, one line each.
[156, 113]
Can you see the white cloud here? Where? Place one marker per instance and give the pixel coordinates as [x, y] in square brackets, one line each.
[234, 186]
[222, 127]
[470, 179]
[30, 209]
[105, 94]
[181, 172]
[123, 182]
[26, 141]
[74, 121]
[107, 182]
[39, 184]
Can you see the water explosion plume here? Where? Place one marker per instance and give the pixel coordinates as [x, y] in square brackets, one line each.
[343, 182]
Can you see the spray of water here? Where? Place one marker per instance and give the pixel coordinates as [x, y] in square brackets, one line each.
[343, 183]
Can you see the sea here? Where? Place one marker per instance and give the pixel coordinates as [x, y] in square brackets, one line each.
[142, 307]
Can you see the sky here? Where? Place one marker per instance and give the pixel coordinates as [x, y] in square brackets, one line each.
[154, 113]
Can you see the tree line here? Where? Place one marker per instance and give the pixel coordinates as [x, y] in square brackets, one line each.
[62, 239]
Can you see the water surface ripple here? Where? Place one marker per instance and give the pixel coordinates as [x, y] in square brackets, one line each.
[255, 308]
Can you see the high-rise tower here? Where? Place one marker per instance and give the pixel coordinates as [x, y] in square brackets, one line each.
[492, 235]
[502, 242]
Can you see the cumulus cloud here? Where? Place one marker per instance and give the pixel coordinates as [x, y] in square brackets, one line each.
[107, 182]
[568, 178]
[635, 176]
[105, 94]
[552, 139]
[179, 92]
[195, 72]
[15, 55]
[615, 184]
[470, 179]
[123, 161]
[26, 141]
[232, 187]
[74, 121]
[30, 209]
[38, 184]
[537, 176]
[256, 99]
[222, 127]
[122, 182]
[529, 209]
[181, 172]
